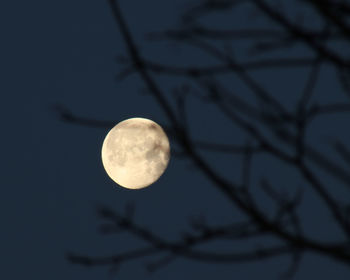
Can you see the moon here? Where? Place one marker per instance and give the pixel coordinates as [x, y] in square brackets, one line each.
[135, 153]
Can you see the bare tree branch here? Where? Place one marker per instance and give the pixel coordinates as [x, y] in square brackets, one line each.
[269, 127]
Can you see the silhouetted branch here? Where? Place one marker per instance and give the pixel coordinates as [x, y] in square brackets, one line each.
[67, 116]
[113, 260]
[209, 6]
[317, 110]
[269, 126]
[343, 151]
[194, 71]
[310, 85]
[251, 34]
[331, 11]
[300, 34]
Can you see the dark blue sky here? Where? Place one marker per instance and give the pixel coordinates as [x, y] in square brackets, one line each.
[64, 52]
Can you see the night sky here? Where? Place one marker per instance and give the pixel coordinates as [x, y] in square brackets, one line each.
[57, 54]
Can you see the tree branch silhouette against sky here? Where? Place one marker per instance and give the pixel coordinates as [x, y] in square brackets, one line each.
[319, 33]
[255, 98]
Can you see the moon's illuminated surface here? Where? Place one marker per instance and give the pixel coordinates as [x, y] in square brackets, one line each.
[135, 153]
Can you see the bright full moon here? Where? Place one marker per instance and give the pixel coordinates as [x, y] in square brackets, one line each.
[135, 153]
